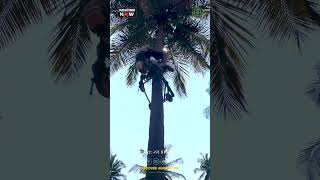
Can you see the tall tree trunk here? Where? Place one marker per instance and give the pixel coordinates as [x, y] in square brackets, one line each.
[156, 126]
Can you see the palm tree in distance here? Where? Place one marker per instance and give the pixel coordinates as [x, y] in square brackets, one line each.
[204, 167]
[169, 175]
[115, 168]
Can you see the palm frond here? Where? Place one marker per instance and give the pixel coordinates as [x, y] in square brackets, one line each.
[189, 39]
[286, 20]
[173, 174]
[132, 74]
[174, 162]
[309, 160]
[180, 74]
[313, 91]
[196, 170]
[230, 42]
[16, 16]
[115, 168]
[125, 45]
[202, 175]
[137, 168]
[313, 11]
[204, 166]
[70, 44]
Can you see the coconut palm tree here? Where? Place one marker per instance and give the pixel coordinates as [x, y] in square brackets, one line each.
[204, 168]
[169, 25]
[169, 175]
[161, 23]
[282, 20]
[115, 169]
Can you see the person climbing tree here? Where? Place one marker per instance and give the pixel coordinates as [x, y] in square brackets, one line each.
[150, 63]
[95, 17]
[149, 60]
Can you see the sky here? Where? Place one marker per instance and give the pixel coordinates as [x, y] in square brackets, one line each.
[186, 128]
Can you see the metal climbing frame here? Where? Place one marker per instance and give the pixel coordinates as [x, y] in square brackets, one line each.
[167, 91]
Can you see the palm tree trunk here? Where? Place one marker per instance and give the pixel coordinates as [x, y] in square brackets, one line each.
[156, 126]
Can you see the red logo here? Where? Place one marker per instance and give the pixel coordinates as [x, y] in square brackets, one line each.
[127, 12]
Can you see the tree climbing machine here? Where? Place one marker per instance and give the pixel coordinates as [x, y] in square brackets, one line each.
[149, 68]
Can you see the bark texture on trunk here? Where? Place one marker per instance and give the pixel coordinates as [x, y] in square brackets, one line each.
[156, 126]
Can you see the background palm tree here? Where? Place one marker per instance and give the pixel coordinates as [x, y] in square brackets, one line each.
[204, 167]
[167, 173]
[115, 168]
[71, 40]
[231, 39]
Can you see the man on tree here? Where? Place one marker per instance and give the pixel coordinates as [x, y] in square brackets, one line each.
[94, 15]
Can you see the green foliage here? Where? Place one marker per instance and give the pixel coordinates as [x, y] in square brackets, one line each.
[72, 38]
[204, 168]
[186, 38]
[115, 169]
[169, 175]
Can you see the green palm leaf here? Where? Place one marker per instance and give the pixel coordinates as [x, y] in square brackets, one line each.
[173, 174]
[180, 74]
[124, 46]
[115, 169]
[15, 17]
[204, 167]
[138, 168]
[169, 175]
[70, 45]
[230, 42]
[285, 20]
[174, 162]
[187, 39]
